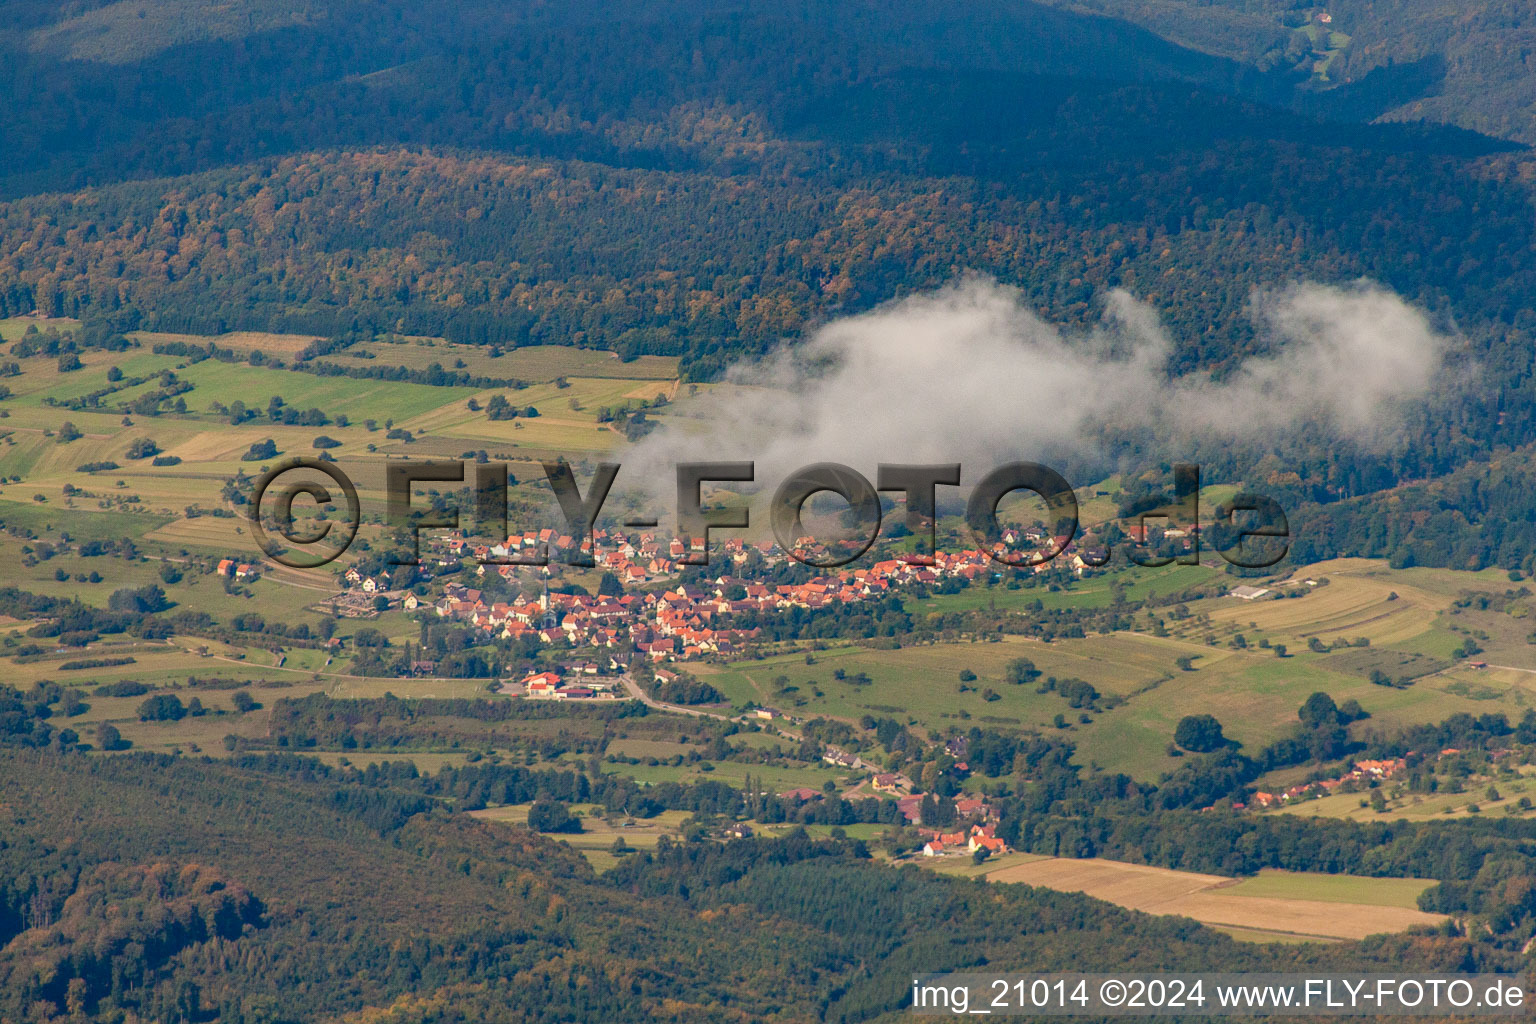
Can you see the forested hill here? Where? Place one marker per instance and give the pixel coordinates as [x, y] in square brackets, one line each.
[703, 179]
[1463, 63]
[171, 890]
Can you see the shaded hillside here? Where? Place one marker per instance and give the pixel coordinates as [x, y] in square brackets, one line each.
[187, 891]
[1464, 64]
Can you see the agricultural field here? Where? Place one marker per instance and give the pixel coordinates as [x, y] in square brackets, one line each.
[535, 364]
[283, 346]
[1348, 889]
[966, 867]
[567, 420]
[570, 388]
[1339, 600]
[1273, 905]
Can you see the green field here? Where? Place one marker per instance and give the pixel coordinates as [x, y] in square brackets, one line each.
[1094, 592]
[1252, 692]
[598, 830]
[12, 328]
[1308, 885]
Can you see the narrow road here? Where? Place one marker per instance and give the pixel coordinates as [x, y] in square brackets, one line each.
[633, 689]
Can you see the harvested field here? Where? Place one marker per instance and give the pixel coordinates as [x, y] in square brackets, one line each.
[1217, 900]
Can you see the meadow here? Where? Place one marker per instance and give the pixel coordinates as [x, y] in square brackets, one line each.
[599, 831]
[1252, 691]
[1472, 800]
[534, 363]
[1093, 592]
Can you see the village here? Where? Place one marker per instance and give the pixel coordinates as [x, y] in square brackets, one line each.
[679, 623]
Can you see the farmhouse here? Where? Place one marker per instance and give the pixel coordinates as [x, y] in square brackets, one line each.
[991, 844]
[1246, 593]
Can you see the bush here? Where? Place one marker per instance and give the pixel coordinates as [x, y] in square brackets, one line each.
[122, 688]
[260, 451]
[143, 448]
[83, 663]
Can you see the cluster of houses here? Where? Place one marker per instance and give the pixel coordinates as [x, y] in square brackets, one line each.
[982, 836]
[1365, 772]
[839, 758]
[985, 815]
[232, 569]
[647, 558]
[551, 686]
[376, 584]
[966, 808]
[1362, 772]
[577, 680]
[674, 625]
